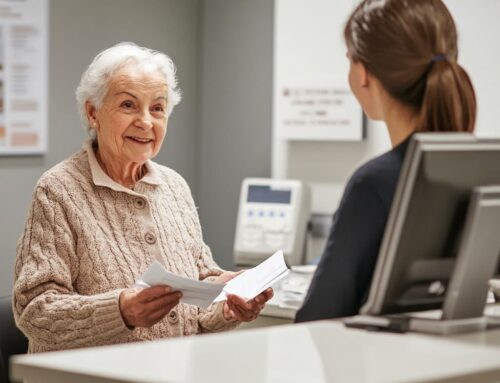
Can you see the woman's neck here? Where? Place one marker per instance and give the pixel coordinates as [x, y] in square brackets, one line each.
[125, 174]
[401, 122]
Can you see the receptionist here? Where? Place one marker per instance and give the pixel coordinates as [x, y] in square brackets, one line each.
[100, 217]
[403, 71]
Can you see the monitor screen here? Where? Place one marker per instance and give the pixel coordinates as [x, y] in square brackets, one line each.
[424, 230]
[266, 194]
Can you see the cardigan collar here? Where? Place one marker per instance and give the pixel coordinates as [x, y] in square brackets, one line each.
[100, 178]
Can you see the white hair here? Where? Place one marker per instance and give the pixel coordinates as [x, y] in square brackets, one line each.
[94, 83]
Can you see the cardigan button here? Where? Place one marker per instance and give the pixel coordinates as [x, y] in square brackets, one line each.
[139, 203]
[150, 238]
[173, 318]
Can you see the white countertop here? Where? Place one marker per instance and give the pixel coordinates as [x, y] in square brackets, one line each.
[315, 352]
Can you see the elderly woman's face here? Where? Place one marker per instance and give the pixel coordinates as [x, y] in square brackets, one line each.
[132, 120]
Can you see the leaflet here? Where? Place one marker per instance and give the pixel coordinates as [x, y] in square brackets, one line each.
[197, 293]
[254, 281]
[247, 285]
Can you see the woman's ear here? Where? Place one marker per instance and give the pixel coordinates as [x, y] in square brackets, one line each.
[364, 76]
[359, 78]
[91, 111]
[366, 88]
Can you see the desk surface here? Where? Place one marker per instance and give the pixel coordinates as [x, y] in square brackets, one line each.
[273, 309]
[315, 352]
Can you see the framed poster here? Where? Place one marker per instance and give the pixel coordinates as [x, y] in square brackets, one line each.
[312, 98]
[23, 76]
[318, 110]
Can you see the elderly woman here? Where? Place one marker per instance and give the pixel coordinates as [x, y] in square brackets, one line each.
[102, 216]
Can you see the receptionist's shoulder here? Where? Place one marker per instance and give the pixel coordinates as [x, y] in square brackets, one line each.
[383, 167]
[380, 175]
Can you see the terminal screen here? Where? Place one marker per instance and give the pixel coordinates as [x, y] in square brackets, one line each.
[265, 194]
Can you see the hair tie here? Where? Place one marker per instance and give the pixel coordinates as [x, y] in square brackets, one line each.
[439, 57]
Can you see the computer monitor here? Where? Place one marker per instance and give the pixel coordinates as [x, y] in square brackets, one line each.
[442, 238]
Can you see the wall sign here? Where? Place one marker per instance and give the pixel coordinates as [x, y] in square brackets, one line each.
[325, 111]
[312, 98]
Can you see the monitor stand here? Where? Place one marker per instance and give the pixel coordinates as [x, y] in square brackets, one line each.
[465, 299]
[435, 326]
[448, 326]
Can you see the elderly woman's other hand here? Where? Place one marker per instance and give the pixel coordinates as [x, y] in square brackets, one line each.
[236, 308]
[226, 276]
[145, 307]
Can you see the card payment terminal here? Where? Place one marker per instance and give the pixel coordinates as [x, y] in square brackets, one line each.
[273, 214]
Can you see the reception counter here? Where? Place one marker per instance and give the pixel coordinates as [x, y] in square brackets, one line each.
[322, 351]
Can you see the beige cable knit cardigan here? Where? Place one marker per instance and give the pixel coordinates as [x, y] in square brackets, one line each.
[87, 238]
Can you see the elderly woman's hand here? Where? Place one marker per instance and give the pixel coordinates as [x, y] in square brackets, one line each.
[145, 307]
[236, 308]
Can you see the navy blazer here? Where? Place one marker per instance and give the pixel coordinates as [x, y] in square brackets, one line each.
[342, 280]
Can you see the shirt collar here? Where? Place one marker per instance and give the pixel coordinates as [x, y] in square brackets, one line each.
[100, 178]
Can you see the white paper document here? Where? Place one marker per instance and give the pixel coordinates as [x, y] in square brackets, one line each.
[247, 285]
[254, 281]
[194, 292]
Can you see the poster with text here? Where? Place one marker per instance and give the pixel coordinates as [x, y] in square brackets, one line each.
[323, 109]
[312, 99]
[23, 76]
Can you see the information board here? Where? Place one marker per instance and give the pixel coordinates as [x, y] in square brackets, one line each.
[23, 76]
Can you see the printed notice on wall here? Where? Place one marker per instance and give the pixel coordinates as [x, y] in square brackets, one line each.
[328, 111]
[23, 76]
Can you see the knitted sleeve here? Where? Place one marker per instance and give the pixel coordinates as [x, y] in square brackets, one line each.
[46, 306]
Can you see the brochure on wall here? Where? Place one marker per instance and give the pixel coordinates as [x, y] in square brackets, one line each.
[23, 76]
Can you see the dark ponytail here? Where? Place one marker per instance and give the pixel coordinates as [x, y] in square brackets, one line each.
[449, 101]
[410, 46]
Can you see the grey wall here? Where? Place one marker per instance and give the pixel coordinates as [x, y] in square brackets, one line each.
[78, 30]
[236, 111]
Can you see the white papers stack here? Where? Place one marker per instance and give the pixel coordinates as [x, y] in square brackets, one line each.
[254, 281]
[194, 292]
[247, 285]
